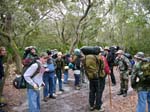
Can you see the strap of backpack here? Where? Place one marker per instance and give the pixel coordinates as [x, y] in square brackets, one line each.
[37, 70]
[99, 65]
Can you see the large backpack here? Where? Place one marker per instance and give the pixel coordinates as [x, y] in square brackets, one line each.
[19, 82]
[145, 68]
[86, 50]
[93, 67]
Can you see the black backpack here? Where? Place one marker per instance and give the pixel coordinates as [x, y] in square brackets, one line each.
[19, 82]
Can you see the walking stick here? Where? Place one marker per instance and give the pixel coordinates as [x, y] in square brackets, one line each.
[110, 98]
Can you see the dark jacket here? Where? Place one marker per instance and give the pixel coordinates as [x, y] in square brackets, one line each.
[1, 68]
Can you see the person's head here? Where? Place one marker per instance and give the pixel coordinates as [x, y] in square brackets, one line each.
[49, 54]
[119, 53]
[106, 49]
[139, 56]
[43, 57]
[2, 51]
[33, 50]
[59, 55]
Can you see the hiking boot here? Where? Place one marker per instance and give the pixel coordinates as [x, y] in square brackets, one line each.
[3, 104]
[92, 108]
[125, 93]
[77, 88]
[52, 97]
[62, 90]
[113, 84]
[100, 110]
[120, 93]
[45, 99]
[54, 94]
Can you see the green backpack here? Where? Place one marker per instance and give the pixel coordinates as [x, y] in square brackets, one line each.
[93, 67]
[145, 68]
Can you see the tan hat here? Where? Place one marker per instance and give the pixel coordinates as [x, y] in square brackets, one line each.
[120, 52]
[59, 54]
[106, 48]
[44, 54]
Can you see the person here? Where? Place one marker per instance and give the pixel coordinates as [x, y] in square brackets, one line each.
[140, 81]
[35, 83]
[94, 69]
[29, 55]
[49, 78]
[59, 70]
[2, 54]
[66, 68]
[124, 69]
[76, 60]
[110, 56]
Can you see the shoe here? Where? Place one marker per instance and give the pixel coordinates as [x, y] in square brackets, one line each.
[3, 104]
[54, 94]
[77, 88]
[62, 90]
[120, 93]
[113, 84]
[92, 108]
[125, 94]
[52, 97]
[100, 110]
[45, 99]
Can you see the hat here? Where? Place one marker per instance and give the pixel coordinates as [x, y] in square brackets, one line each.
[59, 54]
[44, 54]
[120, 52]
[139, 55]
[106, 48]
[77, 52]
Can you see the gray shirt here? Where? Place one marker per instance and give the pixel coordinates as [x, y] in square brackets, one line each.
[38, 78]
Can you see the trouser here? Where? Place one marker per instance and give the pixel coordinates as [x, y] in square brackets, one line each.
[143, 98]
[124, 81]
[96, 91]
[113, 80]
[33, 100]
[59, 77]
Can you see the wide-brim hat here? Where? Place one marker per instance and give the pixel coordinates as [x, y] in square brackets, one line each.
[139, 55]
[106, 48]
[120, 52]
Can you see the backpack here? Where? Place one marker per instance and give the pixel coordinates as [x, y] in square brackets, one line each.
[86, 50]
[145, 68]
[93, 67]
[19, 82]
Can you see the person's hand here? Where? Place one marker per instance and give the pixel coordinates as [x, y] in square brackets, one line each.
[46, 69]
[35, 86]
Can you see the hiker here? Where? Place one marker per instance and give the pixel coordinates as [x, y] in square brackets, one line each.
[140, 81]
[49, 78]
[94, 69]
[110, 56]
[66, 68]
[35, 83]
[124, 69]
[2, 54]
[59, 71]
[76, 61]
[30, 54]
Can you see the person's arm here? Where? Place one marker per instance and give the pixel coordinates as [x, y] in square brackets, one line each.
[29, 73]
